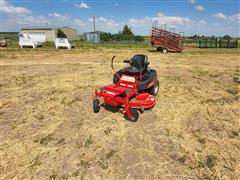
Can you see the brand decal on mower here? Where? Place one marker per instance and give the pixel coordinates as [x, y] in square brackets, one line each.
[122, 84]
[128, 79]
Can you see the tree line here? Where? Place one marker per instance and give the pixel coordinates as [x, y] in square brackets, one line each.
[197, 36]
[125, 35]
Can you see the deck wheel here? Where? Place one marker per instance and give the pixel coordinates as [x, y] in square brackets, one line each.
[135, 115]
[96, 106]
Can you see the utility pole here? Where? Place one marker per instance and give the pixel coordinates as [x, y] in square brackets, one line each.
[94, 26]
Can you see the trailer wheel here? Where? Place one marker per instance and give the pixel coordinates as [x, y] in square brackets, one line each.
[164, 50]
[135, 115]
[96, 106]
[159, 49]
[154, 89]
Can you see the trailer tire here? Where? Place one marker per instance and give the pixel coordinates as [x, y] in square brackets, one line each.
[164, 50]
[159, 49]
[96, 106]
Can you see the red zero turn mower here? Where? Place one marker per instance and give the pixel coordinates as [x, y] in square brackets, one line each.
[134, 89]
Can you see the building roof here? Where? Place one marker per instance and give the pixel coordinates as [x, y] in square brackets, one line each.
[45, 28]
[94, 32]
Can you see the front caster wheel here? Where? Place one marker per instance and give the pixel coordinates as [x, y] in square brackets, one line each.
[134, 115]
[96, 105]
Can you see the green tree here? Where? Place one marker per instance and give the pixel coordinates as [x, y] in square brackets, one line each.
[61, 34]
[195, 36]
[118, 36]
[226, 37]
[82, 40]
[106, 37]
[127, 33]
[138, 38]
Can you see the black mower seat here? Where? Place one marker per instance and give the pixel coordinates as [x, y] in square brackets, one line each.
[147, 79]
[138, 65]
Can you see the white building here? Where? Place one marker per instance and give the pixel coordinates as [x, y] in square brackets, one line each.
[43, 34]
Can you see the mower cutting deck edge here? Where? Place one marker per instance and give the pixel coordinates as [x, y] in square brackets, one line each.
[134, 88]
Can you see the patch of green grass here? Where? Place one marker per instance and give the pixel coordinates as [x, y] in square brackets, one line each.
[88, 141]
[182, 159]
[211, 161]
[8, 35]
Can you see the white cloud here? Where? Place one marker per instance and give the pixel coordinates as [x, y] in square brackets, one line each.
[170, 20]
[141, 26]
[11, 9]
[82, 5]
[58, 16]
[220, 16]
[78, 22]
[26, 20]
[203, 22]
[191, 1]
[235, 17]
[109, 22]
[199, 8]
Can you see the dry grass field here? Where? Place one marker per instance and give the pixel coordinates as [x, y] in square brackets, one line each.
[48, 129]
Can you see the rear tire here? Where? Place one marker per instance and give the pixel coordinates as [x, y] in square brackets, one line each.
[154, 89]
[115, 78]
[96, 106]
[135, 115]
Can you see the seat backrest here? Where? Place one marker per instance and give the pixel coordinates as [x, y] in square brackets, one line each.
[140, 60]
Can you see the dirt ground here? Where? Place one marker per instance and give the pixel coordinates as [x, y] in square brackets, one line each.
[48, 129]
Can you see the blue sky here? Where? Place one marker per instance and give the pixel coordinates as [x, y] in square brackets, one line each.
[204, 17]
